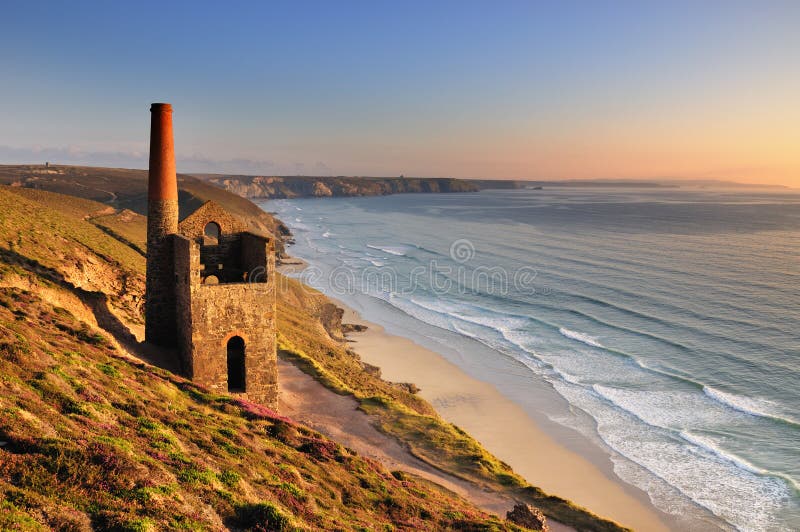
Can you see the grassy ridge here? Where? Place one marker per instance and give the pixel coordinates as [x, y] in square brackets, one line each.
[127, 189]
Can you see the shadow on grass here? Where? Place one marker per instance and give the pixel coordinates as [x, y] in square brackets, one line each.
[98, 303]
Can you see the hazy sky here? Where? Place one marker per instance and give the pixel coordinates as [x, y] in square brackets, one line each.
[617, 89]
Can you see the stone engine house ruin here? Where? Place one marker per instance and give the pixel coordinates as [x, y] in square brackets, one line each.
[210, 284]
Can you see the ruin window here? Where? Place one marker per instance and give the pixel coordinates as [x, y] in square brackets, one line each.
[211, 234]
[236, 366]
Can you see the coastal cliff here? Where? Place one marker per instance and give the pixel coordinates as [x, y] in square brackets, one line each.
[71, 288]
[97, 434]
[320, 187]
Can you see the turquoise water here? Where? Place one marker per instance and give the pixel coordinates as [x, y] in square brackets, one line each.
[667, 322]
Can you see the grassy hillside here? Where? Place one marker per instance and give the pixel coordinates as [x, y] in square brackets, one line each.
[60, 252]
[58, 239]
[127, 189]
[92, 439]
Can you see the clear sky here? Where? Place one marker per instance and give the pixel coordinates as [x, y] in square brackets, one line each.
[561, 89]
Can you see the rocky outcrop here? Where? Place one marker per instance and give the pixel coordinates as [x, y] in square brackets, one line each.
[528, 517]
[410, 387]
[353, 327]
[331, 318]
[321, 190]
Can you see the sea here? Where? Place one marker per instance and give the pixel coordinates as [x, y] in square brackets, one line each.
[663, 322]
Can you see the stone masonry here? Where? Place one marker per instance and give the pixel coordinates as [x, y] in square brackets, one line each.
[210, 289]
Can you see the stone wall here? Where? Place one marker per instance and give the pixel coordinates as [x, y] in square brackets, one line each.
[256, 251]
[162, 220]
[187, 257]
[198, 318]
[223, 260]
[194, 225]
[220, 312]
[209, 315]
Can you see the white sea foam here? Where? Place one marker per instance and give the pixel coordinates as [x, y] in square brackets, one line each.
[392, 250]
[500, 323]
[674, 409]
[326, 234]
[748, 405]
[425, 311]
[706, 478]
[572, 379]
[713, 448]
[581, 337]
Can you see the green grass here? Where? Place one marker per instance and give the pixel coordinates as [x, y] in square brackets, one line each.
[44, 227]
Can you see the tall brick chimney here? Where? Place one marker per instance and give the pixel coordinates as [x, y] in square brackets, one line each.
[162, 185]
[162, 221]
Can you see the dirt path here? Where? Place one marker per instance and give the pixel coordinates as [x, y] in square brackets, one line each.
[336, 416]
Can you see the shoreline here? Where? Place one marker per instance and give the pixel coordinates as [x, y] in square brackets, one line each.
[503, 427]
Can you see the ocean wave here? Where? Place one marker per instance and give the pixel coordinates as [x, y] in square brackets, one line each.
[392, 250]
[581, 337]
[738, 461]
[711, 447]
[498, 322]
[668, 426]
[748, 405]
[568, 377]
[703, 477]
[671, 410]
[420, 310]
[326, 234]
[514, 336]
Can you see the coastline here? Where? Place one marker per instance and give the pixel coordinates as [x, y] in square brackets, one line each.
[503, 427]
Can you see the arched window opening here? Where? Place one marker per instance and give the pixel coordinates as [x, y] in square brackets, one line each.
[236, 365]
[211, 234]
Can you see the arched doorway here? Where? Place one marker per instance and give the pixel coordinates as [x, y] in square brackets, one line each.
[236, 365]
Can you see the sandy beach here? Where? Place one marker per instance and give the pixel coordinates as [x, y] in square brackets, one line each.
[504, 428]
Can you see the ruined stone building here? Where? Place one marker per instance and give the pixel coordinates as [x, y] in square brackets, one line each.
[210, 284]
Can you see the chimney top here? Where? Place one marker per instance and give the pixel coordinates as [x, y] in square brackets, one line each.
[162, 182]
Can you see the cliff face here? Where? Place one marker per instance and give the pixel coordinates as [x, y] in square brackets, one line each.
[299, 187]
